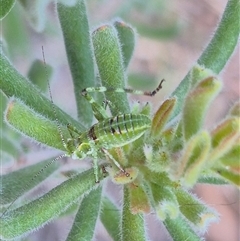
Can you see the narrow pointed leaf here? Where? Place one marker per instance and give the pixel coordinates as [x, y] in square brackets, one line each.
[77, 39]
[198, 158]
[224, 137]
[126, 36]
[161, 116]
[35, 214]
[138, 199]
[110, 217]
[224, 129]
[196, 105]
[11, 187]
[86, 217]
[226, 37]
[14, 84]
[198, 213]
[132, 225]
[180, 230]
[212, 179]
[193, 158]
[199, 73]
[30, 123]
[109, 60]
[166, 204]
[231, 159]
[228, 175]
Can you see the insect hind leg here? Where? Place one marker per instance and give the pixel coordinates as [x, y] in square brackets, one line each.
[121, 90]
[115, 162]
[99, 111]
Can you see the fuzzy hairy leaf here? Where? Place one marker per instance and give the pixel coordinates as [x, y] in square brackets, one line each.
[109, 60]
[12, 188]
[35, 214]
[77, 39]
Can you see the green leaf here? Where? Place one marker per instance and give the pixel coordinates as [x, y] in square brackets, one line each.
[32, 124]
[6, 6]
[14, 84]
[212, 179]
[228, 175]
[161, 117]
[199, 73]
[86, 217]
[198, 213]
[11, 187]
[231, 158]
[110, 217]
[109, 60]
[27, 218]
[37, 74]
[180, 230]
[225, 39]
[224, 137]
[178, 141]
[193, 159]
[166, 204]
[126, 36]
[132, 227]
[196, 105]
[77, 39]
[198, 147]
[218, 51]
[138, 199]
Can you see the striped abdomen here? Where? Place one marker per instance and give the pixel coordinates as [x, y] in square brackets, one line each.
[119, 130]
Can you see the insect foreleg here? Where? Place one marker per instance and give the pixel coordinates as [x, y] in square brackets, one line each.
[93, 152]
[73, 131]
[99, 111]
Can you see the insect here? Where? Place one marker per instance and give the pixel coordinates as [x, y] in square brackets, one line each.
[109, 132]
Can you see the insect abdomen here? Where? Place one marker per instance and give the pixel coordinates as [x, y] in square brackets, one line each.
[119, 130]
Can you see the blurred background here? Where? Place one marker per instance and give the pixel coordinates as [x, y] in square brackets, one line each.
[171, 36]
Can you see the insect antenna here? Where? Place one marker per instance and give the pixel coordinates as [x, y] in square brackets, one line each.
[52, 161]
[51, 99]
[32, 179]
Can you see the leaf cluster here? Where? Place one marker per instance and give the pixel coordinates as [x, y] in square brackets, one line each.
[170, 158]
